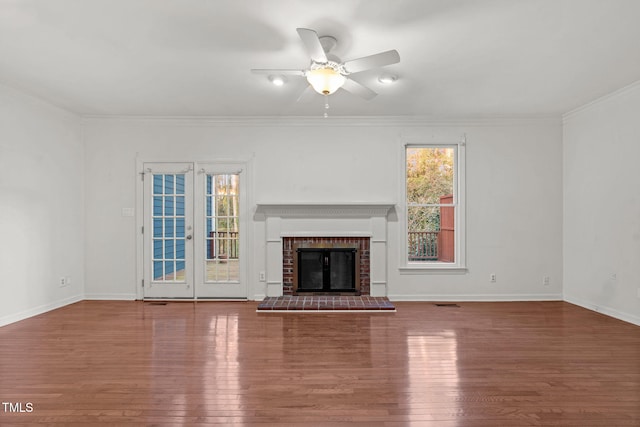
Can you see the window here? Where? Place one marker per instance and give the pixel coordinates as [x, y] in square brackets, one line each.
[434, 214]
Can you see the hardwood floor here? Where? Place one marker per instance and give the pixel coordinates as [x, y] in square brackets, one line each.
[479, 364]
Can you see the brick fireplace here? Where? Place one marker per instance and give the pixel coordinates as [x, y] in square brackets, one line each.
[290, 267]
[288, 227]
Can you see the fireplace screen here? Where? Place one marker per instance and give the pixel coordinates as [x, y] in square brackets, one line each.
[326, 269]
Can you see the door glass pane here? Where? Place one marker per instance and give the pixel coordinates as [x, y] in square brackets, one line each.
[179, 184]
[222, 206]
[180, 206]
[341, 270]
[168, 206]
[310, 265]
[158, 272]
[157, 249]
[157, 184]
[234, 270]
[168, 183]
[169, 271]
[222, 212]
[168, 228]
[157, 205]
[169, 250]
[180, 229]
[180, 271]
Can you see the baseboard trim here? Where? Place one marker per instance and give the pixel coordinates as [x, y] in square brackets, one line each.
[626, 317]
[478, 297]
[611, 312]
[35, 311]
[110, 297]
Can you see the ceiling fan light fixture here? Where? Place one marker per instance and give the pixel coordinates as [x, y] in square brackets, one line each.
[325, 80]
[277, 80]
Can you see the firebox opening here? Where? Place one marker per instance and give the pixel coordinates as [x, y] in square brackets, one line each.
[326, 270]
[359, 247]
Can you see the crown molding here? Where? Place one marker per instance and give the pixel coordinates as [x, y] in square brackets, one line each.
[599, 101]
[39, 102]
[347, 121]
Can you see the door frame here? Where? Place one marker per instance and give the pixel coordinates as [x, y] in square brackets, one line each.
[245, 223]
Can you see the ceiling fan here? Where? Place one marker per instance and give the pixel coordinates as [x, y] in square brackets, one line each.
[326, 73]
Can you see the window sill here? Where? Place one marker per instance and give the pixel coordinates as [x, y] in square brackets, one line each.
[432, 269]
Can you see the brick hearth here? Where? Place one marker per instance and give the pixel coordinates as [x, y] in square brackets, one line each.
[326, 303]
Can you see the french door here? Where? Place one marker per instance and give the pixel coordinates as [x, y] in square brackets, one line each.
[193, 228]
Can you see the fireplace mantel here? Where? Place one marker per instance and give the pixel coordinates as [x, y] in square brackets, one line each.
[324, 220]
[323, 210]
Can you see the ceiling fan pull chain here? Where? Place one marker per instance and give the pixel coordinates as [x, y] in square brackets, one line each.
[326, 106]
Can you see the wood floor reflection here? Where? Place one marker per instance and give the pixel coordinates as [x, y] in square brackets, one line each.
[478, 364]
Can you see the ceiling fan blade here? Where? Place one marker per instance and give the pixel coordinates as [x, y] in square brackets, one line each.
[312, 44]
[372, 61]
[356, 88]
[306, 94]
[299, 73]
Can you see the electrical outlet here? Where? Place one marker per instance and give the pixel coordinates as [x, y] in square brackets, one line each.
[62, 282]
[545, 280]
[492, 277]
[262, 276]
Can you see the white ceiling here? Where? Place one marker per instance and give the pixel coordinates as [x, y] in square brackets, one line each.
[459, 58]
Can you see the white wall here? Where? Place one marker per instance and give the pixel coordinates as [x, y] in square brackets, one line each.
[542, 199]
[42, 214]
[602, 205]
[514, 192]
[514, 218]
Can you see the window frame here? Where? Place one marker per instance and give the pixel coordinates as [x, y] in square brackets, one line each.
[459, 199]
